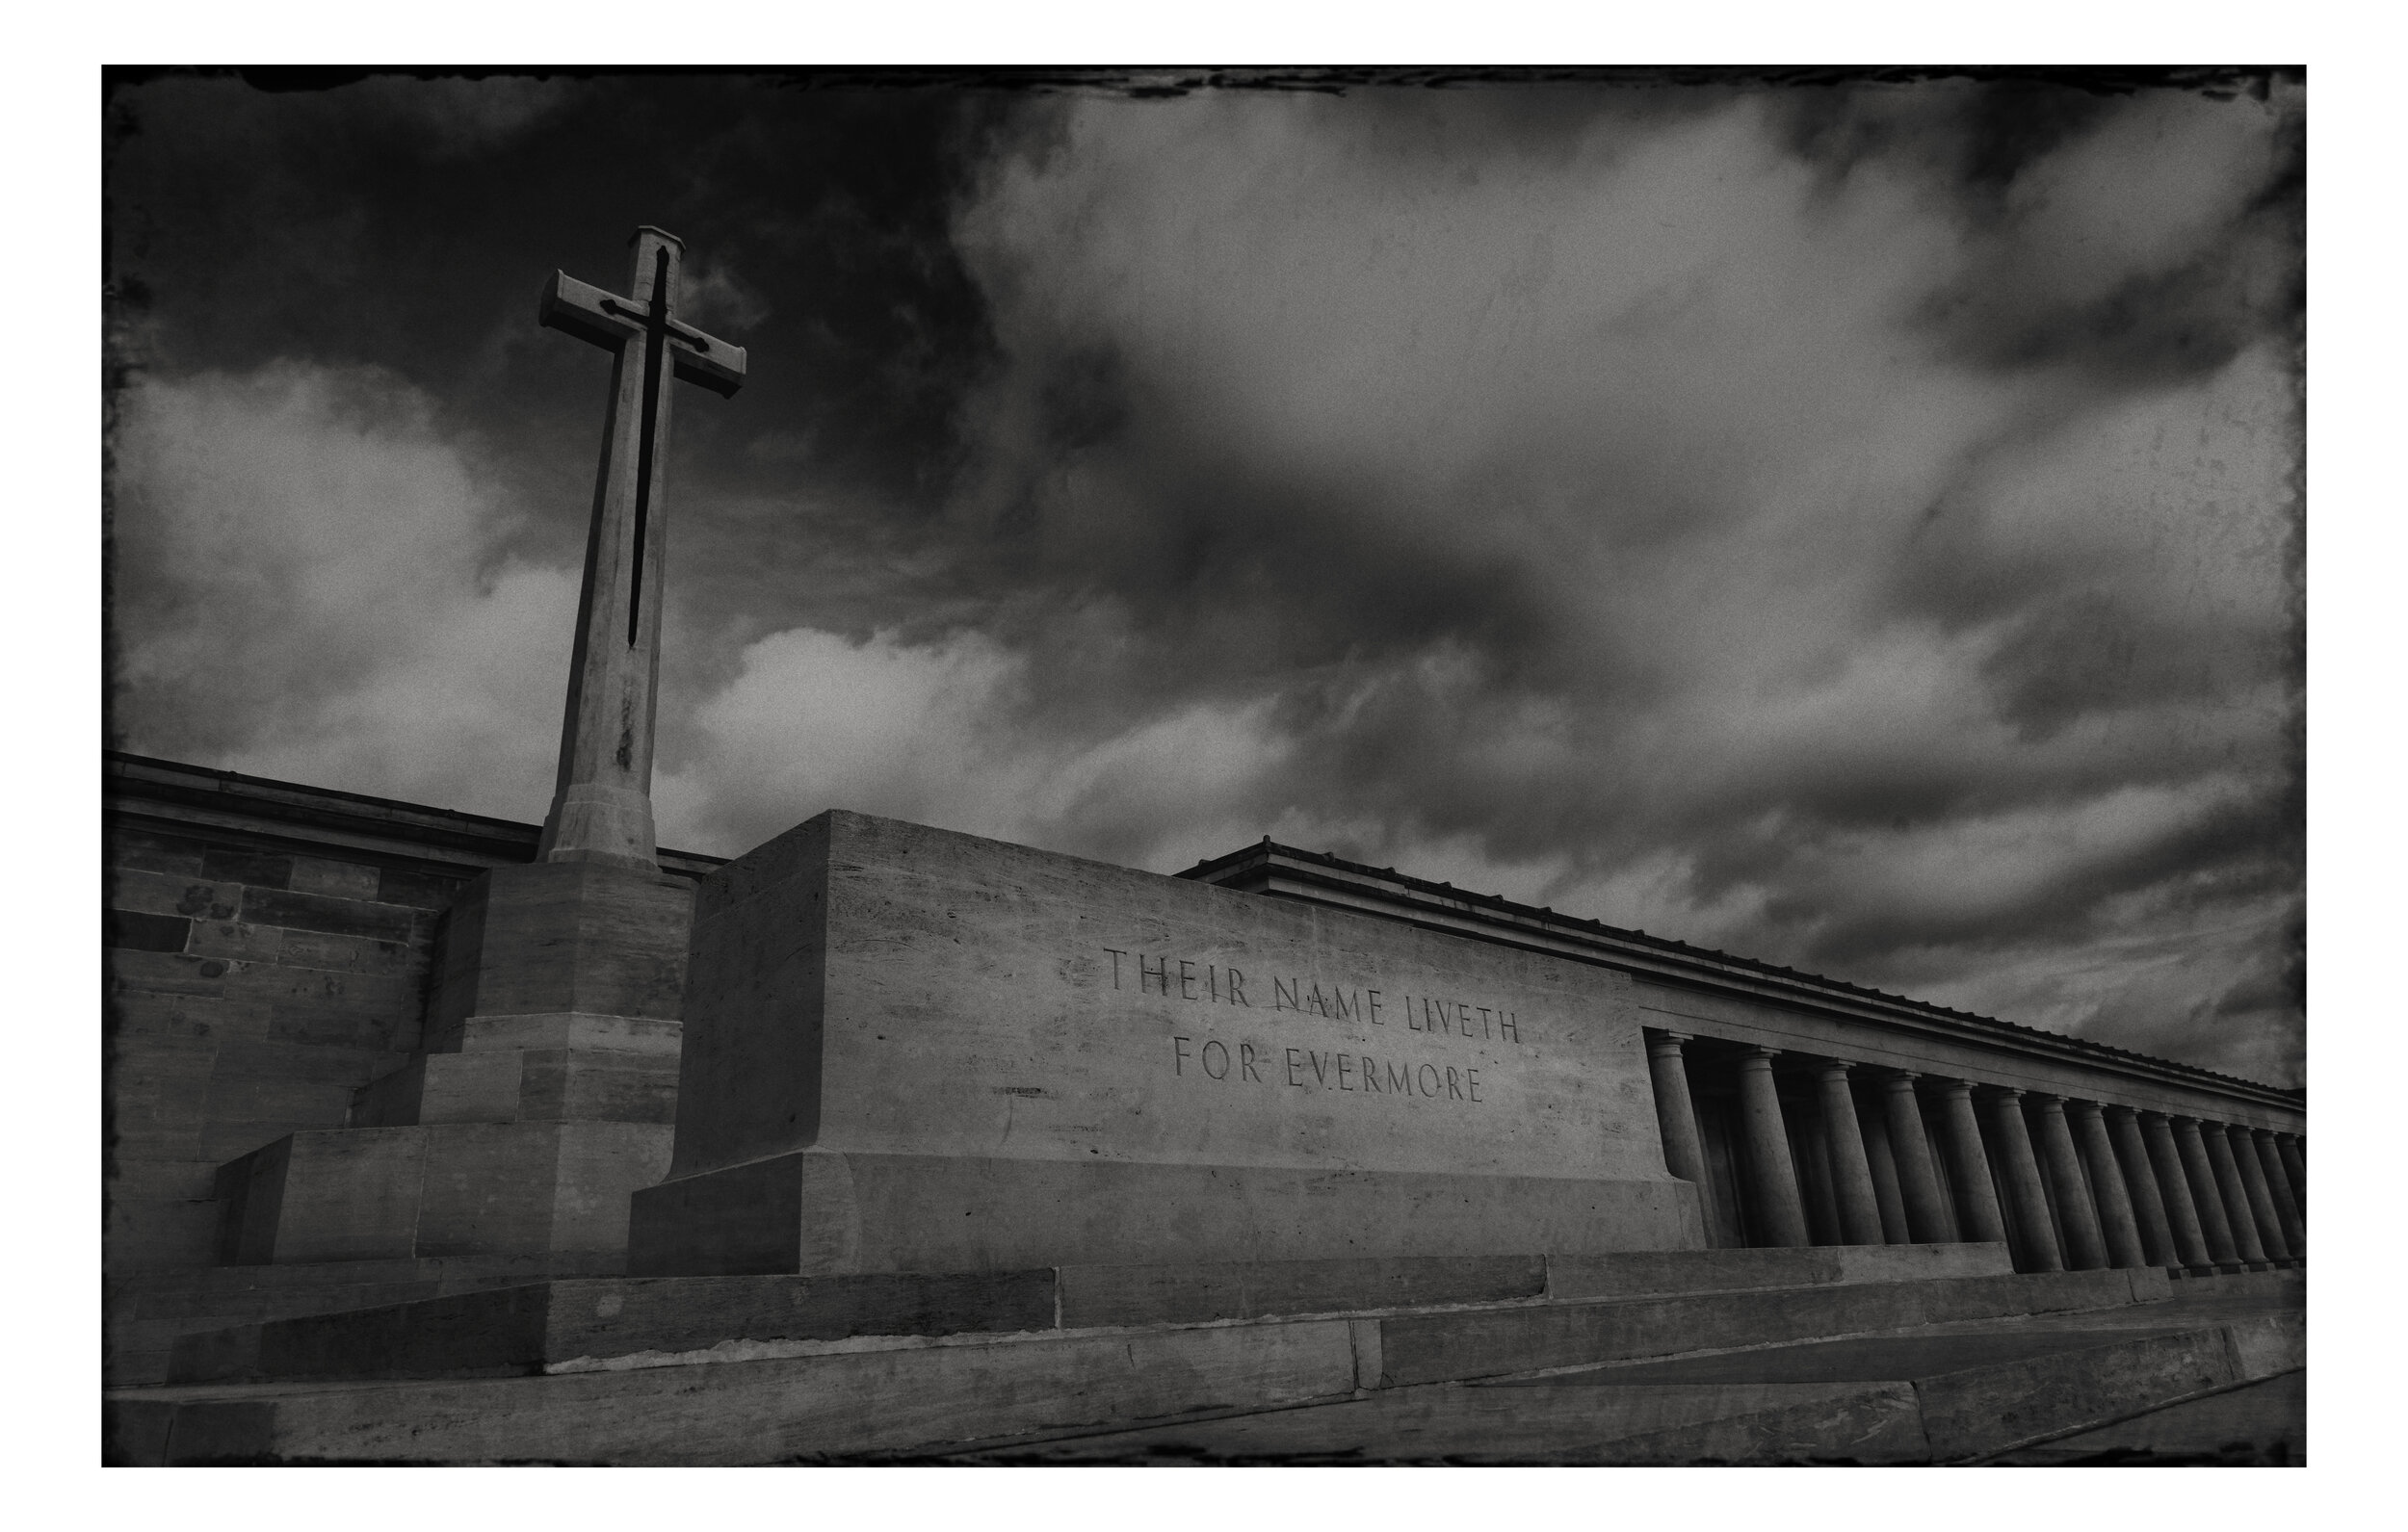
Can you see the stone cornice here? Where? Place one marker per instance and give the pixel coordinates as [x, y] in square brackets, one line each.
[1286, 872]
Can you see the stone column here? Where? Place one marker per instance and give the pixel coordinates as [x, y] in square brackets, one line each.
[1684, 1149]
[2020, 1171]
[1977, 1199]
[1771, 1175]
[1851, 1173]
[2254, 1192]
[1885, 1192]
[2237, 1216]
[2182, 1209]
[1918, 1182]
[2076, 1218]
[2207, 1198]
[2294, 1153]
[2278, 1185]
[2117, 1223]
[2148, 1203]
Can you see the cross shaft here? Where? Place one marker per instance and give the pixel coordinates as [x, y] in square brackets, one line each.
[602, 802]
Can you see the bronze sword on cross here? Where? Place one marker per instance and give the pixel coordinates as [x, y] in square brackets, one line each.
[602, 802]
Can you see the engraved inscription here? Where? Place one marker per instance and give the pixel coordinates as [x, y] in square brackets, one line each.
[1205, 982]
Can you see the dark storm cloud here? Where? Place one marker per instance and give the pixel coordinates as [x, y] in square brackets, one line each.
[1853, 526]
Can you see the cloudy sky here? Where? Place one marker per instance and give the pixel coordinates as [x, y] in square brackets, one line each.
[1856, 527]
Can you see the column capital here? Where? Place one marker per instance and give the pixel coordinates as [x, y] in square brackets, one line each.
[2084, 1108]
[1671, 1041]
[1759, 1053]
[1956, 1087]
[2009, 1092]
[2048, 1102]
[1831, 1065]
[2111, 1109]
[1904, 1077]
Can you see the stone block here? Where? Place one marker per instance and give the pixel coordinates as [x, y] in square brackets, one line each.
[527, 1328]
[337, 916]
[907, 1048]
[261, 870]
[238, 942]
[511, 1085]
[133, 931]
[342, 880]
[323, 1196]
[134, 970]
[153, 851]
[560, 938]
[426, 891]
[1206, 1292]
[821, 1212]
[155, 894]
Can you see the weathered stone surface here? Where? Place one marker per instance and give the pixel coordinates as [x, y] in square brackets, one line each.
[1212, 1291]
[560, 938]
[453, 1189]
[1275, 1391]
[769, 1411]
[907, 1048]
[525, 1084]
[527, 1329]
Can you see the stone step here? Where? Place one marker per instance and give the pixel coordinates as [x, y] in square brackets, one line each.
[1935, 1393]
[550, 1189]
[522, 1086]
[529, 1328]
[769, 1400]
[146, 1312]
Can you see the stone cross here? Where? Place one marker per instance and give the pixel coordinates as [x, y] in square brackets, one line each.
[602, 805]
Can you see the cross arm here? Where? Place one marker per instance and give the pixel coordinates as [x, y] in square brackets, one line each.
[713, 363]
[586, 312]
[606, 320]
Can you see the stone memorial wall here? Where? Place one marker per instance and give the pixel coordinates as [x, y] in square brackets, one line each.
[907, 1048]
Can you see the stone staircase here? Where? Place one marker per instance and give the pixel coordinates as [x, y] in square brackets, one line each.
[1928, 1353]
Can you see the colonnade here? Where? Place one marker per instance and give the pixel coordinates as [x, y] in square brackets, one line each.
[2089, 1184]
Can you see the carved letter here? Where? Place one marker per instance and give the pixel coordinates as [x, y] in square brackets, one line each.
[1292, 1069]
[1237, 990]
[1117, 955]
[1205, 1057]
[1346, 1067]
[1505, 1027]
[1483, 1021]
[1464, 1017]
[1453, 1092]
[1211, 980]
[1429, 1079]
[1160, 972]
[1245, 1062]
[1187, 980]
[1317, 1004]
[1374, 994]
[1179, 1056]
[1371, 1073]
[1280, 991]
[1471, 1081]
[1338, 997]
[1400, 1080]
[1319, 1073]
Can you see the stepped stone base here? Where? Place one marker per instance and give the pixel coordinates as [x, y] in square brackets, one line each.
[555, 1325]
[545, 1095]
[458, 1189]
[984, 1368]
[820, 1211]
[146, 1313]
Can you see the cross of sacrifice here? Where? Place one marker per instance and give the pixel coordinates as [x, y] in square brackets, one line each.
[602, 803]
